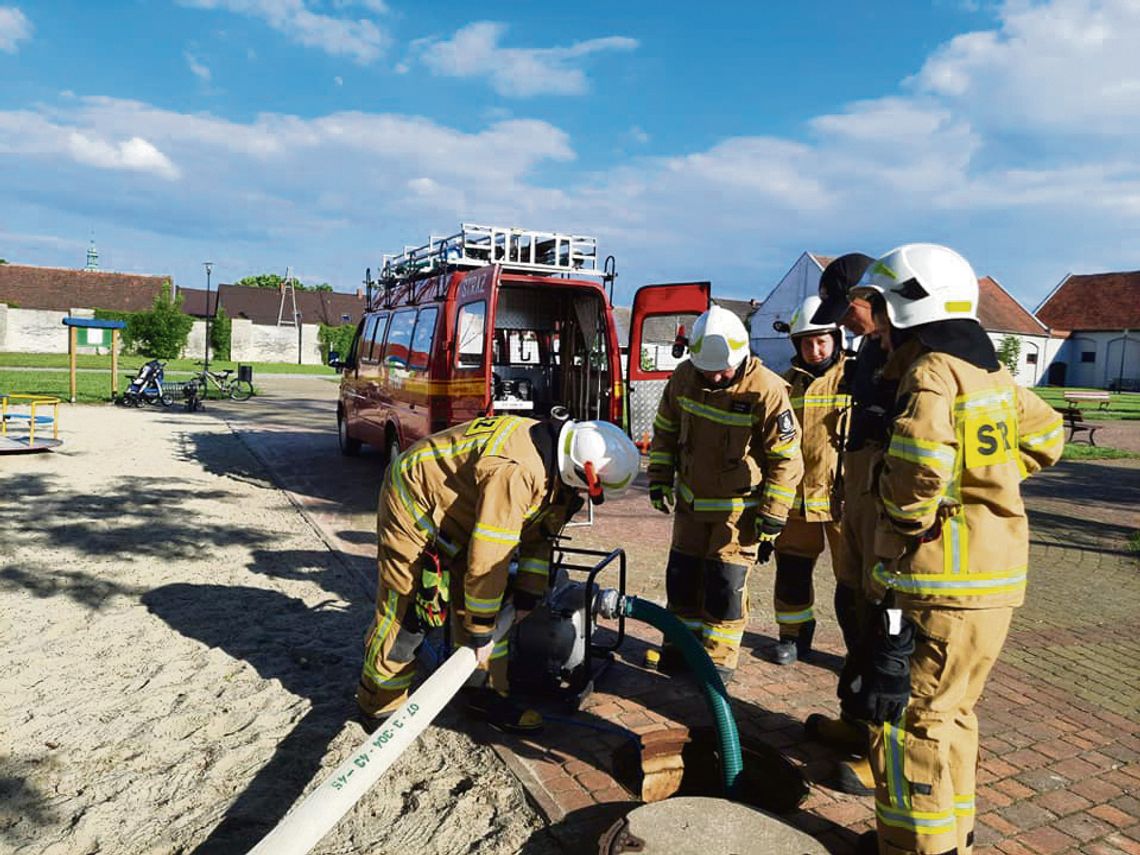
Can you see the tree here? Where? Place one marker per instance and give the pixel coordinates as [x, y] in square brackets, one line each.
[272, 280]
[1009, 352]
[221, 330]
[161, 333]
[335, 338]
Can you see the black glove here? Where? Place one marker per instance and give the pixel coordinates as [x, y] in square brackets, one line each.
[886, 678]
[767, 530]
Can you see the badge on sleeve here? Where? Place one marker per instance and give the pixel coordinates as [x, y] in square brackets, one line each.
[786, 424]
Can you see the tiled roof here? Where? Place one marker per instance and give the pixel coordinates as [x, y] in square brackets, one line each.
[1095, 301]
[822, 260]
[998, 311]
[261, 305]
[194, 300]
[59, 289]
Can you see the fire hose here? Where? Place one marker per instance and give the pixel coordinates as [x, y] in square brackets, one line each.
[310, 821]
[304, 826]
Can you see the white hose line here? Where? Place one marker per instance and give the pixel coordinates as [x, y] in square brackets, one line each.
[305, 825]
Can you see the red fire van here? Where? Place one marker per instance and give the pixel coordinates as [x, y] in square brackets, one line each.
[487, 321]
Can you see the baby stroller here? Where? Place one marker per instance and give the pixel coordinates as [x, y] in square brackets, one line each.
[146, 387]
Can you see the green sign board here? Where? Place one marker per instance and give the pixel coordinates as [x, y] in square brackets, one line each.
[94, 337]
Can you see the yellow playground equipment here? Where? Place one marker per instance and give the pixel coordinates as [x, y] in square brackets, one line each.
[28, 423]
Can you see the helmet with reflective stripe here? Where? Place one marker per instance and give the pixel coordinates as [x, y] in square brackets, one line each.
[597, 457]
[802, 323]
[922, 283]
[719, 341]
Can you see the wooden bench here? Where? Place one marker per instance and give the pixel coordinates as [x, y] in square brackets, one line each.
[1075, 422]
[1102, 399]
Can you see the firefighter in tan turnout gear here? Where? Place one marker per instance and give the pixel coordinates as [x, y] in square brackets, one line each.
[726, 455]
[816, 378]
[454, 510]
[952, 544]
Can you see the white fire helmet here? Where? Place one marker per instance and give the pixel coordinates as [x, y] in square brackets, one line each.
[801, 321]
[597, 457]
[719, 341]
[922, 283]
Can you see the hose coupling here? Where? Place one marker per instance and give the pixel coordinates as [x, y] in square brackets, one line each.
[608, 603]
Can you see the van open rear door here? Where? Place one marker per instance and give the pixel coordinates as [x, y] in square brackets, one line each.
[660, 314]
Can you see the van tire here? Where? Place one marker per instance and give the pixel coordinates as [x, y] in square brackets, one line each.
[392, 448]
[349, 447]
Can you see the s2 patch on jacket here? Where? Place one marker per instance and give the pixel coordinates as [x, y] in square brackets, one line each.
[786, 424]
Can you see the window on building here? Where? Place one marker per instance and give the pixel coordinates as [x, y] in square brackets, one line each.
[421, 341]
[470, 330]
[1088, 356]
[1031, 358]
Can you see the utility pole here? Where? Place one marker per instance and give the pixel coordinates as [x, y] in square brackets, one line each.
[209, 265]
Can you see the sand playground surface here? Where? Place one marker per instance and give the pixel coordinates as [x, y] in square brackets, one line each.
[181, 649]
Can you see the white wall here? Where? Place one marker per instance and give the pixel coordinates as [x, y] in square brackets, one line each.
[798, 283]
[1114, 355]
[1029, 374]
[38, 330]
[251, 342]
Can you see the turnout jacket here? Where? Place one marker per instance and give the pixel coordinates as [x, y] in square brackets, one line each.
[728, 449]
[476, 493]
[820, 407]
[953, 530]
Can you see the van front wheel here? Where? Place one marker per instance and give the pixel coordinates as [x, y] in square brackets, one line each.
[349, 447]
[393, 450]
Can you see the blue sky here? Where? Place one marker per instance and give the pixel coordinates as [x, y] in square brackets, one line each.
[714, 141]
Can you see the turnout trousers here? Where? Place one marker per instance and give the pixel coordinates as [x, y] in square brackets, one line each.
[707, 576]
[797, 549]
[924, 764]
[394, 636]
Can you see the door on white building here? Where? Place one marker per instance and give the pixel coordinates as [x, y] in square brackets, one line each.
[1122, 363]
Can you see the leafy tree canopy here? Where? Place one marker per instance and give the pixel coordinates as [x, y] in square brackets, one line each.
[272, 280]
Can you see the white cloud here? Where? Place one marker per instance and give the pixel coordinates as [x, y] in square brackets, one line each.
[198, 69]
[338, 80]
[135, 154]
[474, 51]
[14, 27]
[362, 40]
[1066, 66]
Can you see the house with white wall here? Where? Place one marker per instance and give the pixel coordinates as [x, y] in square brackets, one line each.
[1003, 317]
[1095, 320]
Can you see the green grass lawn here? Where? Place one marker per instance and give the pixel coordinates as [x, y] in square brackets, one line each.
[131, 364]
[1094, 452]
[90, 387]
[1121, 406]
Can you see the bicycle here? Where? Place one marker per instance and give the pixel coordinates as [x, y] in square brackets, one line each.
[227, 386]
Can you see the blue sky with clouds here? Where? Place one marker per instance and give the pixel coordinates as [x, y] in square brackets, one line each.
[713, 141]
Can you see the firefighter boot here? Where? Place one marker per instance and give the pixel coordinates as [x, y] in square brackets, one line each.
[791, 648]
[854, 777]
[846, 734]
[867, 844]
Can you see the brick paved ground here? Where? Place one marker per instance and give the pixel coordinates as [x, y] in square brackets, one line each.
[1060, 759]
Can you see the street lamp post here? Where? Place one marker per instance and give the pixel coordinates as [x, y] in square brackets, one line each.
[209, 265]
[300, 334]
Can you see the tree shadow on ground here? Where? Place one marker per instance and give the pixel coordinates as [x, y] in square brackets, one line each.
[314, 653]
[133, 516]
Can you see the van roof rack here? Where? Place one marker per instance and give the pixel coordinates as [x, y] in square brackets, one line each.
[523, 250]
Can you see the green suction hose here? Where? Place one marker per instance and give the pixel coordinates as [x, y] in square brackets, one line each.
[698, 660]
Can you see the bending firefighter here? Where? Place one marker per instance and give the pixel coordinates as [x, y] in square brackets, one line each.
[455, 509]
[816, 378]
[726, 454]
[952, 544]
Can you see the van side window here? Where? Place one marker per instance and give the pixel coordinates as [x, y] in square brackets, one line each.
[365, 339]
[470, 333]
[377, 340]
[399, 338]
[422, 340]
